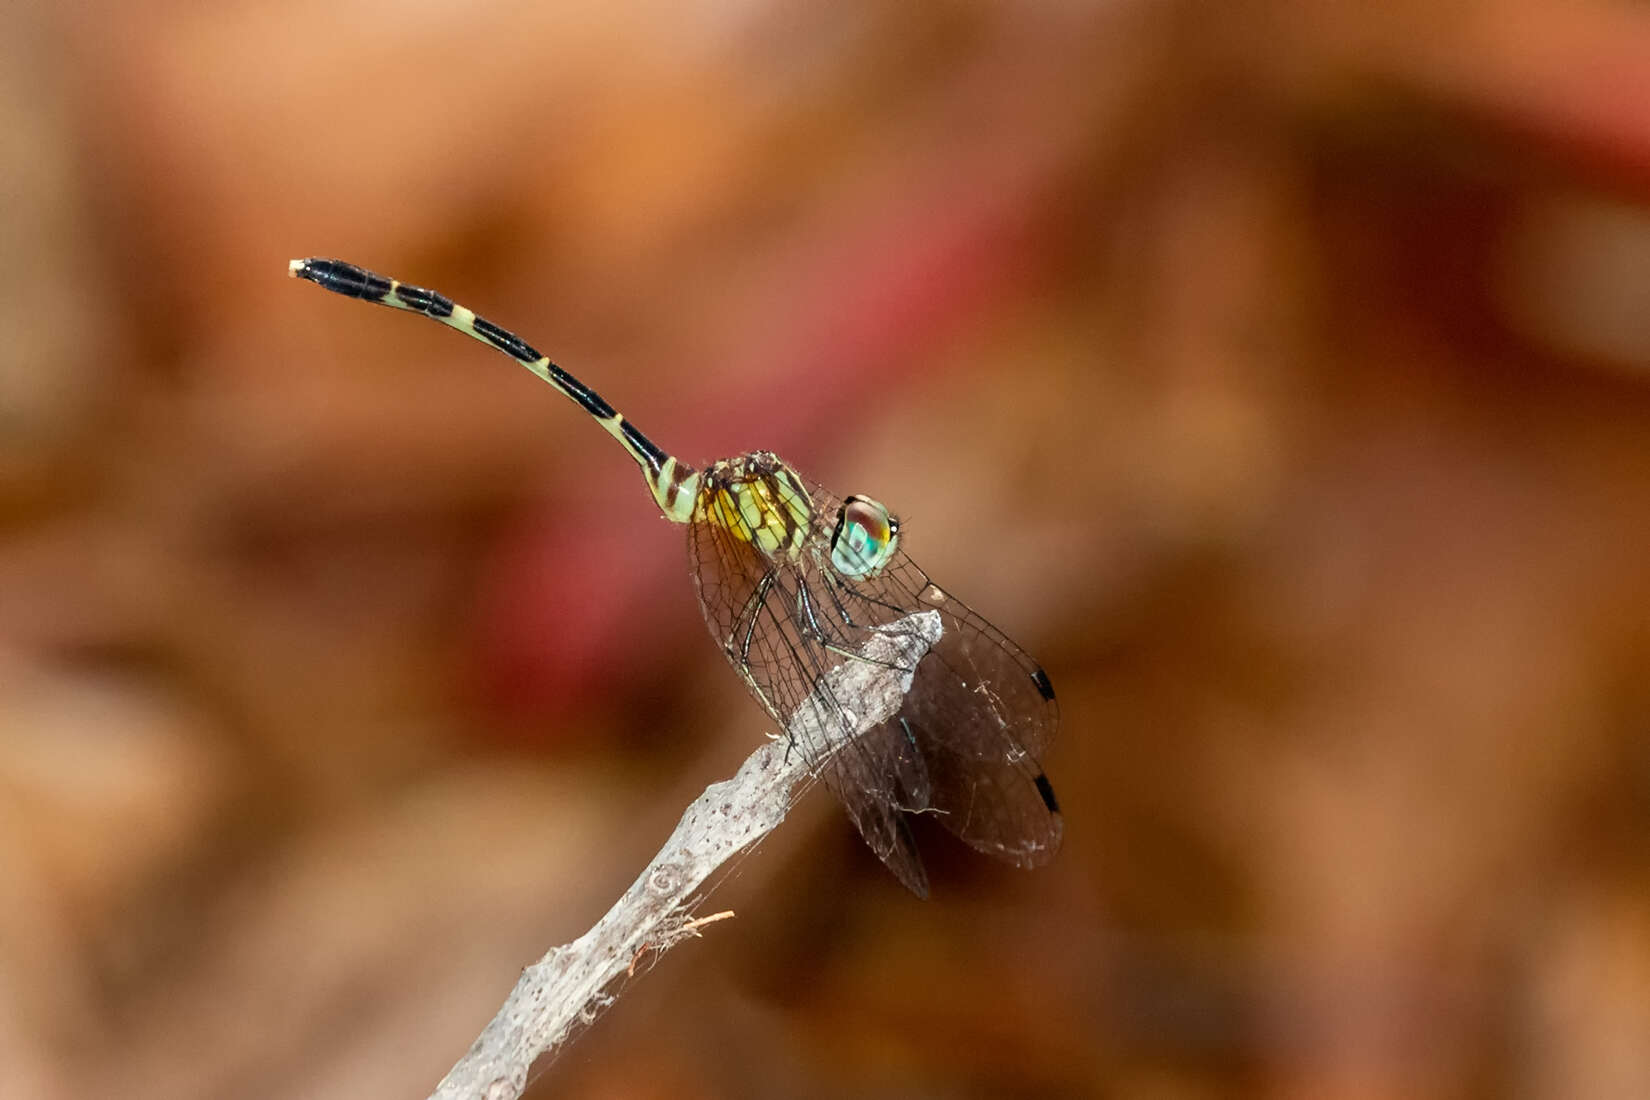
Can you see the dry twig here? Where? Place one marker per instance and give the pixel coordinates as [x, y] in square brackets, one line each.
[567, 986]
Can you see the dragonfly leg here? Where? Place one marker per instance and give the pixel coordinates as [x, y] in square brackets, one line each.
[749, 614]
[807, 621]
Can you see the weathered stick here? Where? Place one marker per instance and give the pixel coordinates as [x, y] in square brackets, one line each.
[566, 987]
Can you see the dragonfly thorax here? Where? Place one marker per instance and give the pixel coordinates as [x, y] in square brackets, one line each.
[757, 499]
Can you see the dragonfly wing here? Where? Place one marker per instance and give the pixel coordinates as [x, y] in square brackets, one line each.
[758, 613]
[876, 810]
[980, 711]
[997, 799]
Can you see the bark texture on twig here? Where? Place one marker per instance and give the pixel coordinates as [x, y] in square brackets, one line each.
[567, 986]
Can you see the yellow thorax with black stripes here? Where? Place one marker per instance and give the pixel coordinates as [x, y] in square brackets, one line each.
[757, 499]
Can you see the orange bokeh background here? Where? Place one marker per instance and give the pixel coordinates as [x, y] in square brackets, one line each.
[1276, 372]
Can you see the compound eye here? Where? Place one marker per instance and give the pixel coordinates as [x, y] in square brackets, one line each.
[864, 539]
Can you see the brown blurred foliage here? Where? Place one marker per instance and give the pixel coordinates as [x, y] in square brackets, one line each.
[1275, 371]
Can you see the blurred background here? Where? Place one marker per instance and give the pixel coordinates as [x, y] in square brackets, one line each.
[1276, 372]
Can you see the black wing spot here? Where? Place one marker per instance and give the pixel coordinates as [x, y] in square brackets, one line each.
[1044, 688]
[1046, 789]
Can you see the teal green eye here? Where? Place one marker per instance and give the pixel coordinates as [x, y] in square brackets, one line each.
[864, 539]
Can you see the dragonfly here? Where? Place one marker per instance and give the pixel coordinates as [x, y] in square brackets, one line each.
[794, 582]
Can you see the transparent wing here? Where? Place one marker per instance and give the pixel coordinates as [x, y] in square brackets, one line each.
[980, 712]
[966, 742]
[760, 613]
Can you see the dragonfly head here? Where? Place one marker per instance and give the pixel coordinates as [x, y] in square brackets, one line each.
[865, 538]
